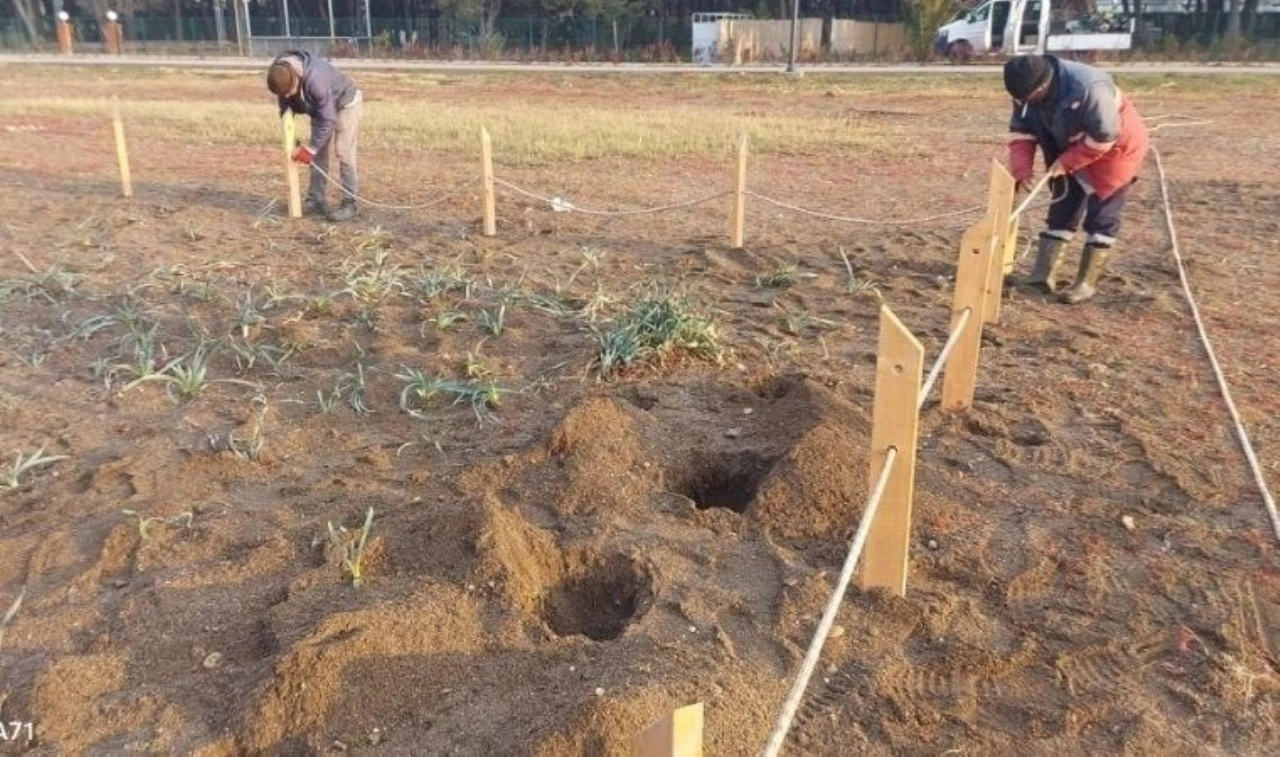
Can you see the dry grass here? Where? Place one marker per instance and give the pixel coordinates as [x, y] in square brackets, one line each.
[532, 135]
[543, 118]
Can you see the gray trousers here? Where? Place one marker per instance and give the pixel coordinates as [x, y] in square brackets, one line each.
[343, 143]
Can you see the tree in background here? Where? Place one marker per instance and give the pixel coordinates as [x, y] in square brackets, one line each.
[482, 13]
[923, 17]
[26, 11]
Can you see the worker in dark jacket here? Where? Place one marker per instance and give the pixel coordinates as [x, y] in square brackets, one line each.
[1094, 142]
[308, 84]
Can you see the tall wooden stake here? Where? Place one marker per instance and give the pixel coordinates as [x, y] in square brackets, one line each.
[895, 424]
[122, 151]
[290, 167]
[973, 272]
[999, 208]
[677, 735]
[486, 179]
[737, 218]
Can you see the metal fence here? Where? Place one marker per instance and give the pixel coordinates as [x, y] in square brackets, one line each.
[642, 38]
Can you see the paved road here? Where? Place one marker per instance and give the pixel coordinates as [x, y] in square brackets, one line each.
[358, 64]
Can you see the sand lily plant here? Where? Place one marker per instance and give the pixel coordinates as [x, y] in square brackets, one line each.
[351, 548]
[11, 478]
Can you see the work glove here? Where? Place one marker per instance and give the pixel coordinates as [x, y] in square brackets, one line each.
[304, 155]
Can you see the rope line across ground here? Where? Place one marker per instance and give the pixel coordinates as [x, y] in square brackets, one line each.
[1241, 433]
[453, 193]
[562, 205]
[867, 221]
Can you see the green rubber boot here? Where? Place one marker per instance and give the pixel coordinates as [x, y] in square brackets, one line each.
[312, 206]
[1046, 274]
[345, 212]
[1093, 263]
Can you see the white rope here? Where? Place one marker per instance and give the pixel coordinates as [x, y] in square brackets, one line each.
[453, 193]
[1267, 499]
[559, 204]
[829, 616]
[942, 356]
[1035, 190]
[852, 219]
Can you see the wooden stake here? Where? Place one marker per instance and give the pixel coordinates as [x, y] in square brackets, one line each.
[1000, 198]
[677, 735]
[486, 179]
[1011, 248]
[122, 151]
[290, 167]
[65, 35]
[737, 218]
[895, 424]
[973, 271]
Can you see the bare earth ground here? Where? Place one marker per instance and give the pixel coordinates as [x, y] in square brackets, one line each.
[551, 574]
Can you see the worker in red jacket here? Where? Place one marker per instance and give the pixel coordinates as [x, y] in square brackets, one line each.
[1094, 142]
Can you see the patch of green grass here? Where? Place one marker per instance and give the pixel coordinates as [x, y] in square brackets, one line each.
[445, 319]
[53, 284]
[781, 277]
[494, 322]
[483, 396]
[372, 279]
[432, 284]
[188, 375]
[353, 384]
[248, 316]
[656, 326]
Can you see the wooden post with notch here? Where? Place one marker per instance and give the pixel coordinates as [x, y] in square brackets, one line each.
[1000, 201]
[486, 181]
[290, 167]
[973, 272]
[737, 218]
[122, 150]
[895, 425]
[676, 735]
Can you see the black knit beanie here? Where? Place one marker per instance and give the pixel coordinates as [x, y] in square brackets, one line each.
[1025, 74]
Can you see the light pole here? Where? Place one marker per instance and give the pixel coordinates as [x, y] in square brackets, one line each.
[220, 23]
[795, 36]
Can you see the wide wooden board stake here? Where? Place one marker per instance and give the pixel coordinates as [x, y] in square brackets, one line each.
[122, 150]
[290, 167]
[973, 272]
[677, 735]
[895, 425]
[999, 209]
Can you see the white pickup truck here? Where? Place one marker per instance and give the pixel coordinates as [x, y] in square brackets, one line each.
[1025, 26]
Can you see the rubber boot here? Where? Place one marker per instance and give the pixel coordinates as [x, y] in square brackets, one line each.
[345, 212]
[1046, 273]
[312, 206]
[1093, 263]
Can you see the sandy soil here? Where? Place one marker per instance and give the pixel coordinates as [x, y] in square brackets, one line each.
[549, 575]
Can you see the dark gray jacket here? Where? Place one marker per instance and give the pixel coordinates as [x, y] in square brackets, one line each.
[1083, 102]
[325, 90]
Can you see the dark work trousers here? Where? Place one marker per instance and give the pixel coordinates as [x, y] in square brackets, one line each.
[1070, 201]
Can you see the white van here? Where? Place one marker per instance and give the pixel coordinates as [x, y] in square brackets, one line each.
[1025, 26]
